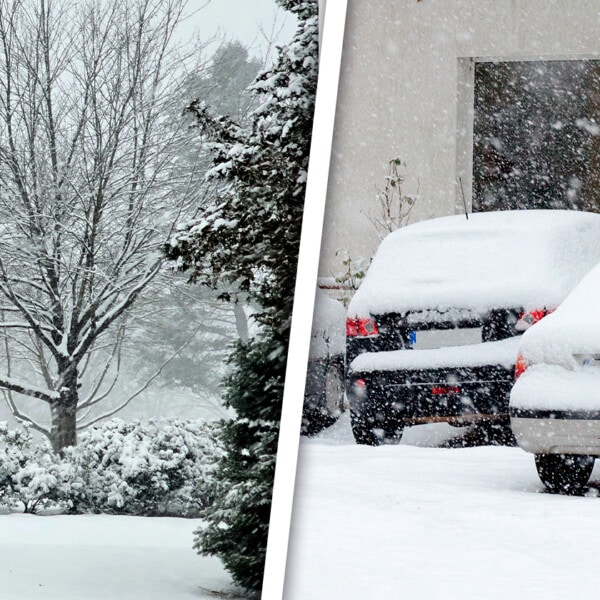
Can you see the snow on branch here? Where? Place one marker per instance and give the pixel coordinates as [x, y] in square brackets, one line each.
[25, 388]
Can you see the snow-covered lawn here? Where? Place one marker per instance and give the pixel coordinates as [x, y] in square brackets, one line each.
[418, 522]
[101, 557]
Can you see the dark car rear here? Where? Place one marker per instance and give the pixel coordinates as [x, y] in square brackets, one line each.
[437, 339]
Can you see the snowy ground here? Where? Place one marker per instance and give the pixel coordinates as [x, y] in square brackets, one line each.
[413, 522]
[101, 557]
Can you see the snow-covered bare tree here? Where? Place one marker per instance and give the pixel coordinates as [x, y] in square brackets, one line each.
[88, 188]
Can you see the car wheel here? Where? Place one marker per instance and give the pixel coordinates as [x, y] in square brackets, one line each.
[329, 402]
[368, 430]
[334, 389]
[316, 420]
[564, 473]
[363, 429]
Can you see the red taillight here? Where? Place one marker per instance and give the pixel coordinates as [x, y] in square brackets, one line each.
[520, 366]
[440, 390]
[531, 317]
[361, 327]
[359, 388]
[351, 327]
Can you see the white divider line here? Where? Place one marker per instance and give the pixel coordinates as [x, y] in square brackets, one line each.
[304, 297]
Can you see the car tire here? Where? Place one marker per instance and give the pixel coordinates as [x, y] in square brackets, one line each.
[331, 400]
[368, 430]
[334, 388]
[564, 473]
[363, 430]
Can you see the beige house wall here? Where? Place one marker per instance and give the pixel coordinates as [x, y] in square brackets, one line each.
[406, 89]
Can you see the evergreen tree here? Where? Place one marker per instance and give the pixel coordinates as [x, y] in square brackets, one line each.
[238, 521]
[250, 238]
[231, 72]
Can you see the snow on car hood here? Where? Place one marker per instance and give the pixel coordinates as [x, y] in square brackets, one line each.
[503, 352]
[528, 258]
[574, 328]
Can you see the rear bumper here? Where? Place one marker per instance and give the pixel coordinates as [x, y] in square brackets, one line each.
[410, 397]
[557, 432]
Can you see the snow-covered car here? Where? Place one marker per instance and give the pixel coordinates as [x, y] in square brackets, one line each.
[433, 331]
[324, 390]
[555, 403]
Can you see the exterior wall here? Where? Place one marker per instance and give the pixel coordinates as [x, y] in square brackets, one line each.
[406, 89]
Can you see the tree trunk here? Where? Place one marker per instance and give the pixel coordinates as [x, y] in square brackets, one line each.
[64, 414]
[241, 321]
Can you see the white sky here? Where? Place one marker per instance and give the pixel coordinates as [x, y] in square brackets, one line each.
[239, 19]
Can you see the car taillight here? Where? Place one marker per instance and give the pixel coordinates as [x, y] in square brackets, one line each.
[531, 317]
[520, 366]
[359, 387]
[361, 327]
[442, 390]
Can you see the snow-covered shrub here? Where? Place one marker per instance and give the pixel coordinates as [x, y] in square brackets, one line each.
[160, 467]
[31, 475]
[157, 468]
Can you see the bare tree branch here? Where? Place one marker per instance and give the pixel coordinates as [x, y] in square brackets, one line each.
[20, 416]
[142, 388]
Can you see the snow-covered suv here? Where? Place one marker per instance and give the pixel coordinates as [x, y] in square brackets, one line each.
[555, 403]
[433, 332]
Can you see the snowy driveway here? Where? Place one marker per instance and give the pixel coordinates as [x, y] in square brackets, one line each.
[101, 557]
[424, 522]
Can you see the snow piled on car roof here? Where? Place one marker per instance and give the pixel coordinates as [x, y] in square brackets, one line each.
[510, 259]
